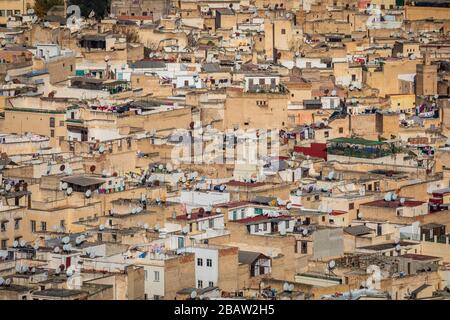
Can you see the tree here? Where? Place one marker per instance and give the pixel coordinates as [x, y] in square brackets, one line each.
[42, 6]
[100, 7]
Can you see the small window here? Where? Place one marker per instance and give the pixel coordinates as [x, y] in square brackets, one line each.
[341, 130]
[156, 275]
[33, 226]
[209, 262]
[351, 206]
[283, 31]
[52, 122]
[43, 226]
[200, 284]
[211, 284]
[200, 262]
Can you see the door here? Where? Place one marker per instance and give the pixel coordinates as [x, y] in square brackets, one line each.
[68, 262]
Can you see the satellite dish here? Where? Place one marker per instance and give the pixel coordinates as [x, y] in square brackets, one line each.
[101, 227]
[157, 227]
[8, 282]
[88, 193]
[298, 193]
[8, 187]
[360, 215]
[160, 167]
[398, 248]
[185, 230]
[92, 254]
[69, 191]
[133, 211]
[388, 196]
[23, 243]
[15, 243]
[218, 210]
[193, 294]
[33, 270]
[280, 202]
[145, 226]
[139, 209]
[393, 196]
[101, 149]
[68, 171]
[78, 241]
[64, 185]
[286, 286]
[331, 264]
[56, 250]
[305, 232]
[169, 167]
[291, 287]
[70, 271]
[289, 206]
[65, 240]
[2, 281]
[402, 201]
[397, 240]
[331, 175]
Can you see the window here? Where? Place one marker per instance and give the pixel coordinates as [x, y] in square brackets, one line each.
[145, 274]
[62, 223]
[211, 284]
[16, 224]
[326, 134]
[156, 274]
[3, 226]
[52, 122]
[351, 206]
[341, 130]
[283, 31]
[209, 262]
[353, 77]
[33, 226]
[52, 133]
[61, 123]
[200, 284]
[4, 244]
[304, 247]
[43, 226]
[186, 83]
[200, 262]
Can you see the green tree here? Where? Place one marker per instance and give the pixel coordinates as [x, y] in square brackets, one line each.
[42, 6]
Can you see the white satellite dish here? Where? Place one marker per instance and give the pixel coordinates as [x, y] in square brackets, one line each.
[15, 243]
[169, 167]
[157, 227]
[8, 187]
[145, 226]
[305, 232]
[291, 287]
[193, 294]
[402, 201]
[2, 281]
[101, 227]
[331, 264]
[56, 250]
[280, 202]
[92, 254]
[69, 191]
[393, 196]
[298, 193]
[33, 270]
[70, 271]
[398, 248]
[68, 171]
[78, 240]
[331, 175]
[88, 193]
[133, 211]
[64, 185]
[289, 206]
[388, 196]
[360, 215]
[57, 271]
[23, 243]
[65, 240]
[160, 167]
[286, 286]
[218, 210]
[185, 230]
[101, 149]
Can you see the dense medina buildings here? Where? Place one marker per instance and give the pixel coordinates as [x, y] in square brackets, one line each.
[288, 150]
